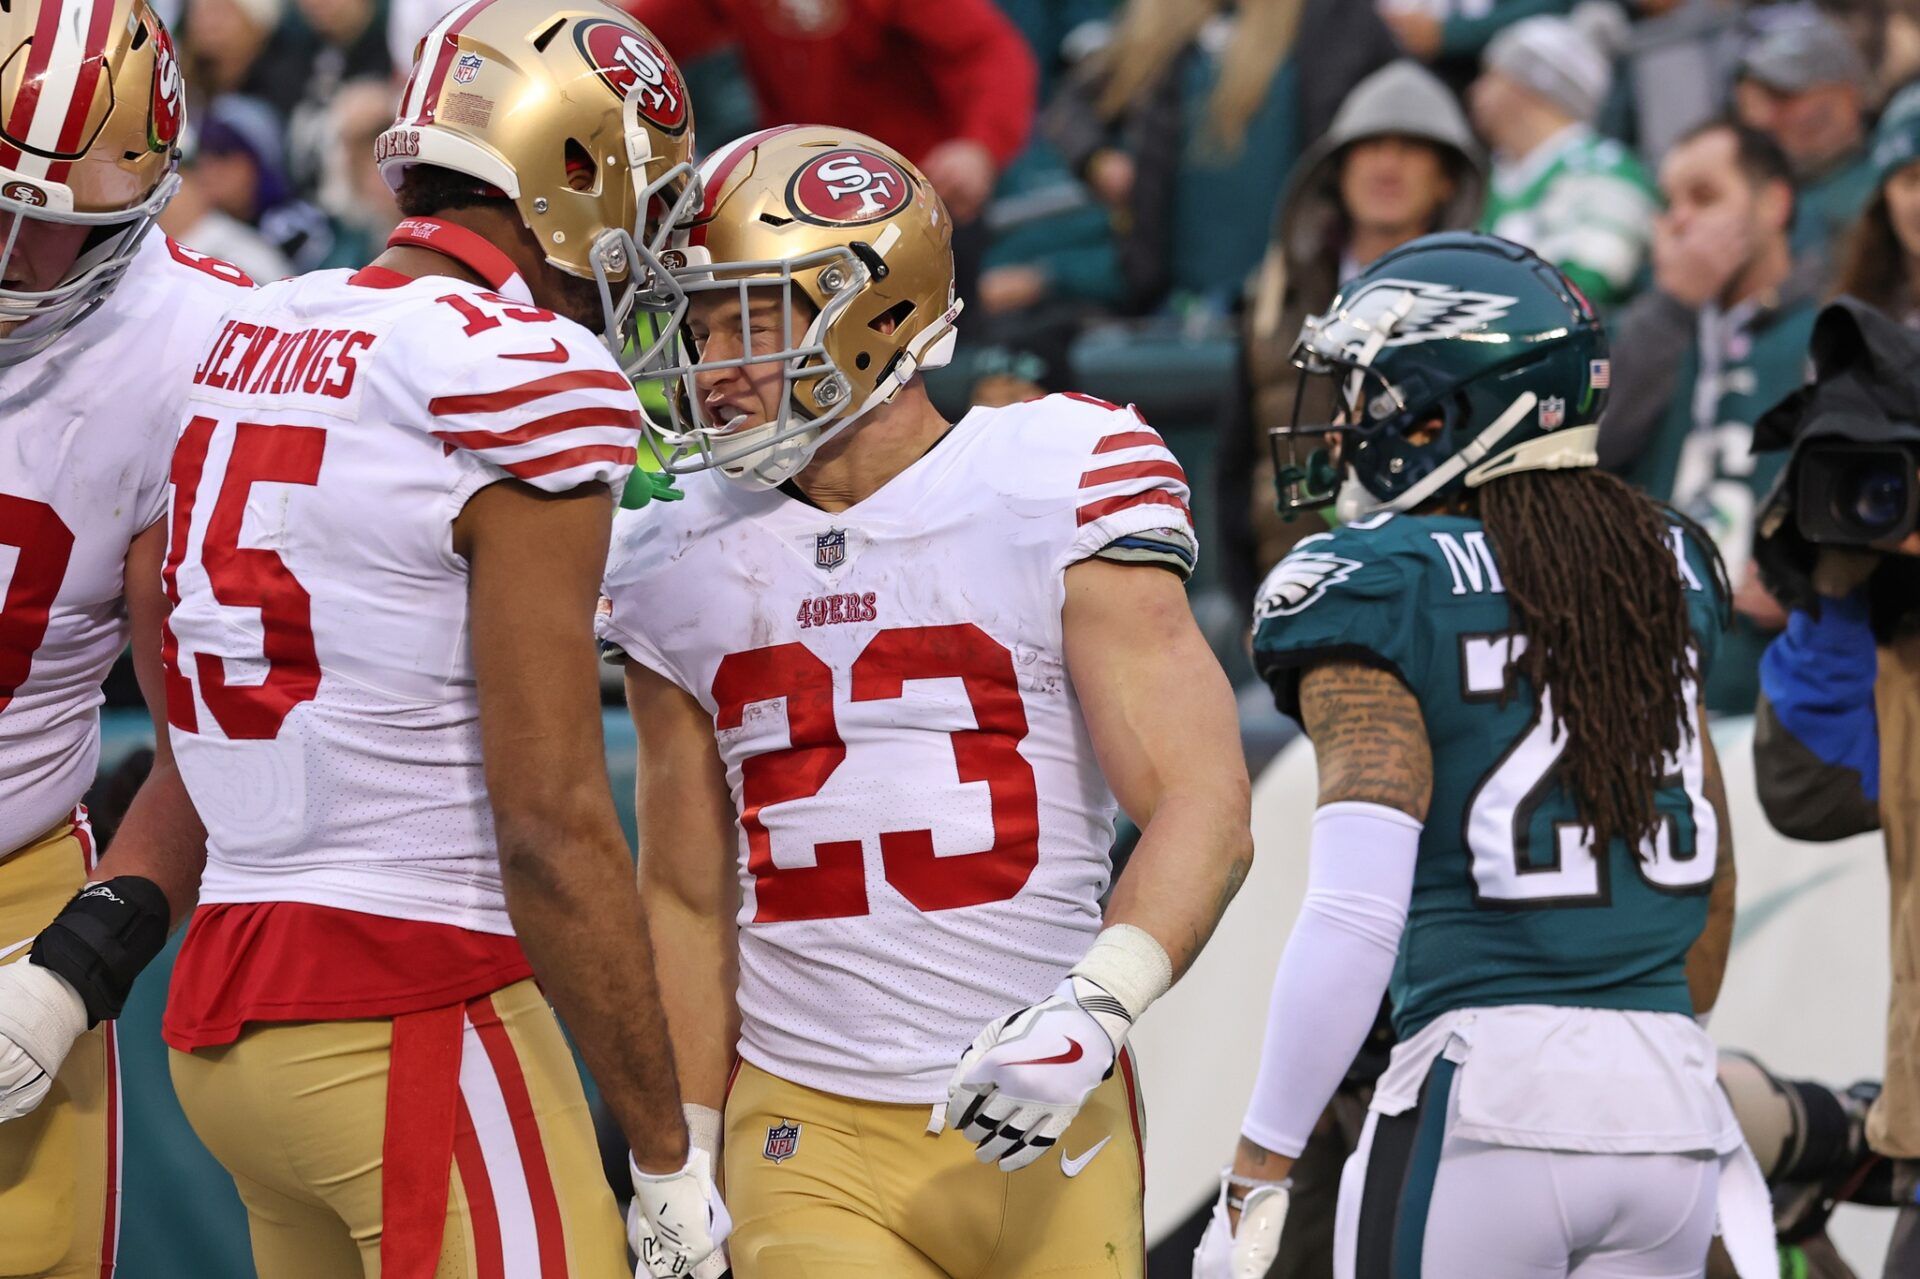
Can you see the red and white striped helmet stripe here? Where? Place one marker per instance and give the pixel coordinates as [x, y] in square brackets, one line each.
[438, 53]
[64, 64]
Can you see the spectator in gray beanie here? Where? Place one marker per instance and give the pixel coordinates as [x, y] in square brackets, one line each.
[1806, 85]
[1583, 202]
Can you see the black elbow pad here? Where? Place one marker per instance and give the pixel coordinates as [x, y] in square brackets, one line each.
[103, 938]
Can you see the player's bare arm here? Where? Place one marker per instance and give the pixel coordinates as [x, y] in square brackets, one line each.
[161, 837]
[1161, 717]
[1370, 742]
[536, 562]
[1707, 957]
[688, 883]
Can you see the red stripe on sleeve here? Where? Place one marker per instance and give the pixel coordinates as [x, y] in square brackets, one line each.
[526, 1135]
[553, 423]
[539, 388]
[1108, 505]
[489, 1258]
[568, 458]
[1168, 470]
[1130, 440]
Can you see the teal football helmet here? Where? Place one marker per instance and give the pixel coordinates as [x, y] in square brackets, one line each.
[1453, 360]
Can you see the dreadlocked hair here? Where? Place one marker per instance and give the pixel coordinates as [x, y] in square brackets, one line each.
[1594, 585]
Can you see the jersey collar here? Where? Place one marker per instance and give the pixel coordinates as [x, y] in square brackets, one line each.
[468, 249]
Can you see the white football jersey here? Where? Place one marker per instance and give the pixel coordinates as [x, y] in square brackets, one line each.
[86, 428]
[321, 691]
[924, 830]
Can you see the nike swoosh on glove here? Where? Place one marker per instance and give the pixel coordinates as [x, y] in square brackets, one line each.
[40, 1017]
[1247, 1253]
[1027, 1075]
[677, 1223]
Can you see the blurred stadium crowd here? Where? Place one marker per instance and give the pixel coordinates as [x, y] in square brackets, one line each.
[1151, 194]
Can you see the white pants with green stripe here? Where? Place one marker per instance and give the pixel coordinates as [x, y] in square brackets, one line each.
[1418, 1202]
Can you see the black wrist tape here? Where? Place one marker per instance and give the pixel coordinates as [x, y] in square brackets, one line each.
[102, 939]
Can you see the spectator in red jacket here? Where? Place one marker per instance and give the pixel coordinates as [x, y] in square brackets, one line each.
[950, 85]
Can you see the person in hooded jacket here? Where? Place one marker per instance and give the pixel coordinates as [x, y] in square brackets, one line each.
[1398, 161]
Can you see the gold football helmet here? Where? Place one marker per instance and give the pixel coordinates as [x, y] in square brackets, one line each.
[576, 114]
[91, 109]
[852, 238]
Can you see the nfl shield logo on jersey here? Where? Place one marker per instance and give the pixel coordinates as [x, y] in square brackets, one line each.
[782, 1141]
[830, 548]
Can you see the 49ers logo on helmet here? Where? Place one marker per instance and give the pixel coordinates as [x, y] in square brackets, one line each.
[848, 188]
[629, 62]
[169, 94]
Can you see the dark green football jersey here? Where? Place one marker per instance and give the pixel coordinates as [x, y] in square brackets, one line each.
[1511, 903]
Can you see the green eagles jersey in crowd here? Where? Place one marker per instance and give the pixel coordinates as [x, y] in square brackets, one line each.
[1584, 203]
[1510, 904]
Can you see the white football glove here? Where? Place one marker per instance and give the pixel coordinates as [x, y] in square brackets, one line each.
[677, 1224]
[1027, 1075]
[40, 1017]
[1246, 1253]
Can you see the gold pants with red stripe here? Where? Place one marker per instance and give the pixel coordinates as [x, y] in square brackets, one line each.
[448, 1144]
[60, 1165]
[826, 1187]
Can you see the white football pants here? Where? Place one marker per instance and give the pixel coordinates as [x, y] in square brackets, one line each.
[1417, 1202]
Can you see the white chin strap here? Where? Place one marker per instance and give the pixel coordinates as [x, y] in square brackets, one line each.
[1574, 447]
[783, 459]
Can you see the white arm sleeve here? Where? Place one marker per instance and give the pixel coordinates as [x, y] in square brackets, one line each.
[1327, 991]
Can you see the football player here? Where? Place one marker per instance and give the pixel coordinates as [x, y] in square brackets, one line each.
[391, 501]
[1522, 830]
[101, 319]
[885, 669]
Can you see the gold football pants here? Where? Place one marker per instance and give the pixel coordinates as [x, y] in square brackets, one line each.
[826, 1187]
[448, 1144]
[60, 1165]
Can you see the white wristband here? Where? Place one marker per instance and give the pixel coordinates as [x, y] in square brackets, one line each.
[1127, 963]
[703, 1127]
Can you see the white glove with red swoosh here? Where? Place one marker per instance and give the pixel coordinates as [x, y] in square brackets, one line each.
[1027, 1075]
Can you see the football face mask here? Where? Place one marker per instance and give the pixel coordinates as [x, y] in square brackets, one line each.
[762, 318]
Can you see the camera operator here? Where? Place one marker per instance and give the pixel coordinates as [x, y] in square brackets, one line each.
[1837, 739]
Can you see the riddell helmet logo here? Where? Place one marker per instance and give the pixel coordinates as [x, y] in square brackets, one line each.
[169, 94]
[24, 193]
[848, 188]
[630, 63]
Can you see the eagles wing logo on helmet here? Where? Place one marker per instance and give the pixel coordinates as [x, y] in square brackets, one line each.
[169, 94]
[1299, 580]
[626, 60]
[848, 188]
[1438, 311]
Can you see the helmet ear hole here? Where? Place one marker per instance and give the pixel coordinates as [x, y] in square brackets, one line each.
[582, 173]
[890, 320]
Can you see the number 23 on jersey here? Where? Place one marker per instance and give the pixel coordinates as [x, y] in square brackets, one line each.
[834, 886]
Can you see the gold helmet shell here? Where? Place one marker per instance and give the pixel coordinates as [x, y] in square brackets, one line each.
[846, 225]
[575, 113]
[91, 110]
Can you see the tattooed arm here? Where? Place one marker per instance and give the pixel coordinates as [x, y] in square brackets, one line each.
[1370, 741]
[1707, 958]
[1161, 717]
[1368, 736]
